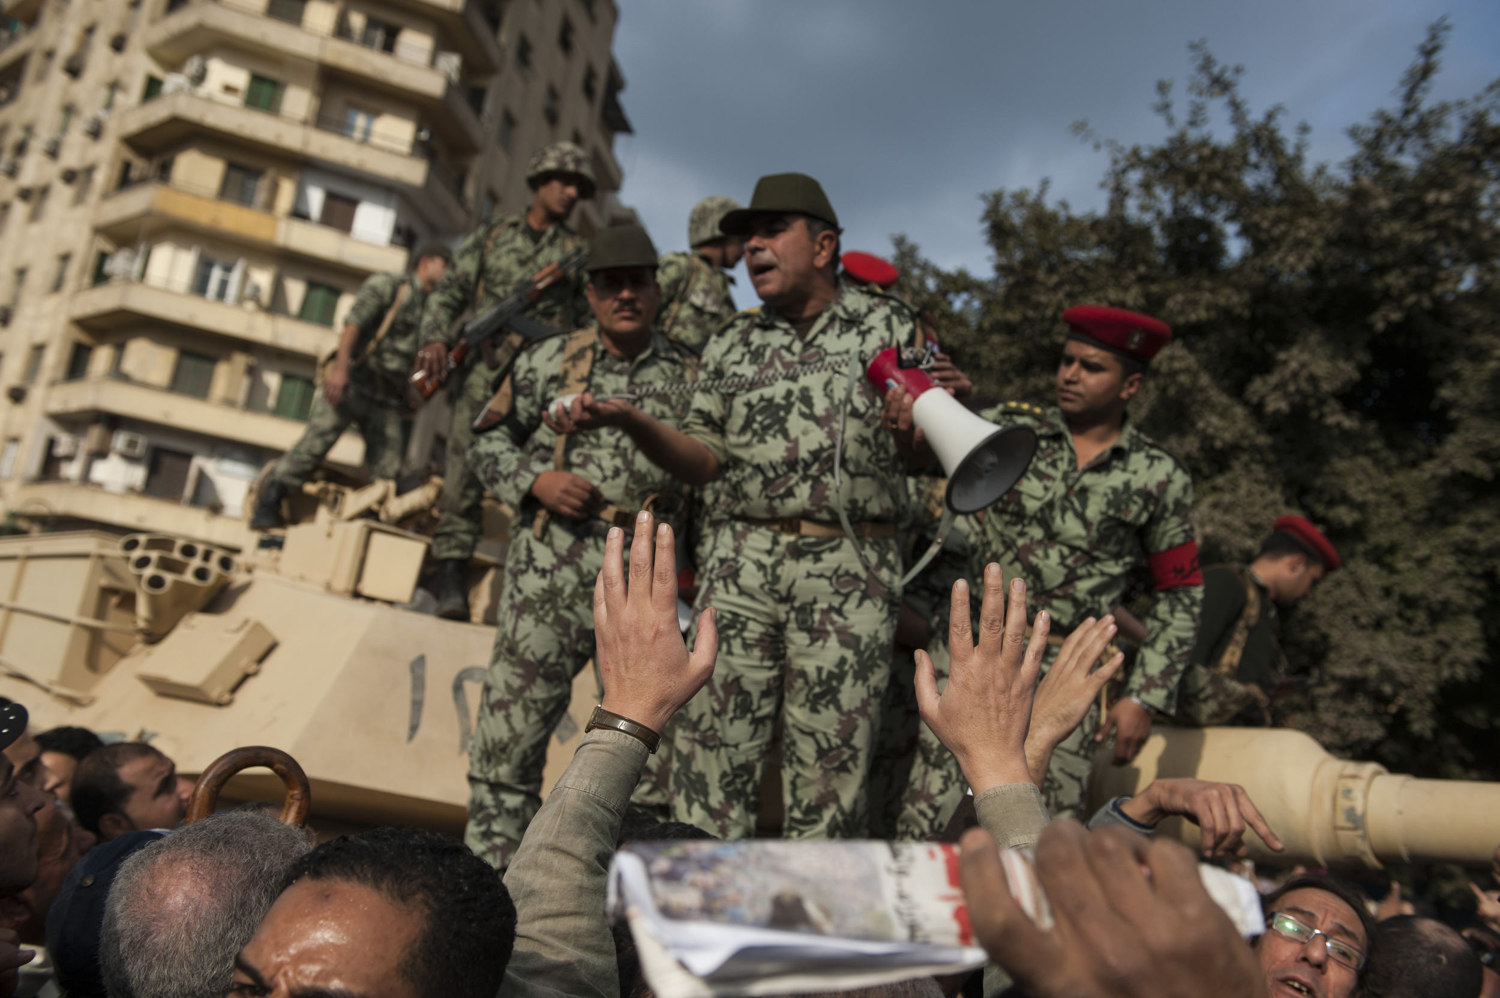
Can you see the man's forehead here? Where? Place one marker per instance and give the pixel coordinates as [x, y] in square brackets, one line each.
[1325, 911]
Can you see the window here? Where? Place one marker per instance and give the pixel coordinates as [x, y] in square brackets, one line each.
[213, 278]
[295, 397]
[358, 123]
[379, 35]
[193, 375]
[338, 211]
[507, 130]
[523, 52]
[34, 363]
[588, 8]
[551, 109]
[39, 202]
[101, 267]
[4, 215]
[475, 96]
[290, 11]
[60, 277]
[167, 473]
[565, 37]
[69, 112]
[8, 456]
[17, 287]
[85, 185]
[110, 89]
[264, 94]
[78, 362]
[152, 89]
[590, 83]
[318, 303]
[241, 185]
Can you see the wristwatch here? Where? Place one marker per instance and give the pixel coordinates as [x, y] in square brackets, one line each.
[602, 718]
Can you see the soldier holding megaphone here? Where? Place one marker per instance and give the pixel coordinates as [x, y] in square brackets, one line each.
[1098, 501]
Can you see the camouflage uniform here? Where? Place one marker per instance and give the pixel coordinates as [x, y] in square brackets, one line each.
[695, 298]
[501, 256]
[1075, 536]
[805, 629]
[545, 633]
[376, 397]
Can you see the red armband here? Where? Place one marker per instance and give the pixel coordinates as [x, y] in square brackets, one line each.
[1176, 567]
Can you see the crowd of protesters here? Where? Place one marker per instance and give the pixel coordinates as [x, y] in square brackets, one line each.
[96, 866]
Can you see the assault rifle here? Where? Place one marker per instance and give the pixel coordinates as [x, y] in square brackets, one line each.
[508, 313]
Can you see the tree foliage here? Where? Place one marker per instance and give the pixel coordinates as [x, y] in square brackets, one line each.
[1337, 353]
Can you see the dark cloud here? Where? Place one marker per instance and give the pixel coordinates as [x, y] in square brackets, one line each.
[909, 113]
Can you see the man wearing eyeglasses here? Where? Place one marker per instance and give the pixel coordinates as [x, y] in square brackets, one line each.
[1317, 939]
[568, 490]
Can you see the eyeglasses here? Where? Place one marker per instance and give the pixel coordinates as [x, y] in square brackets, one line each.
[1338, 951]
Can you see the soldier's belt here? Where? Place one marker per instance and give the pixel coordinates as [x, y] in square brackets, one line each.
[616, 516]
[813, 528]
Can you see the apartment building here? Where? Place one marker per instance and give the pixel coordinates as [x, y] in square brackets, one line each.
[192, 191]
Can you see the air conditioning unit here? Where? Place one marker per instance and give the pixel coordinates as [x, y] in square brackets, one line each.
[127, 444]
[10, 167]
[64, 446]
[93, 125]
[52, 146]
[174, 82]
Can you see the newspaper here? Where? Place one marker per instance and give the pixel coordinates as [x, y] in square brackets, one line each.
[774, 917]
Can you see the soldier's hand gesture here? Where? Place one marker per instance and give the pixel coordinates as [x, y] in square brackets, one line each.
[647, 670]
[983, 715]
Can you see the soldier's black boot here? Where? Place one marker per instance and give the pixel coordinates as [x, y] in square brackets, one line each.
[453, 589]
[268, 507]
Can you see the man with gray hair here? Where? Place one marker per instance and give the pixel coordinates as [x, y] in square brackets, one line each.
[181, 908]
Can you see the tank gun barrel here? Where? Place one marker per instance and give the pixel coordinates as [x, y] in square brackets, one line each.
[1328, 811]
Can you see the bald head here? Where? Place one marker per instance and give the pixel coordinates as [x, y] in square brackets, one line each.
[1415, 957]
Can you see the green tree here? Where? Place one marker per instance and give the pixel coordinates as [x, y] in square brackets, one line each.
[1337, 353]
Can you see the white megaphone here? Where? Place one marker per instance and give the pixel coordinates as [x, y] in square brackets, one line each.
[983, 460]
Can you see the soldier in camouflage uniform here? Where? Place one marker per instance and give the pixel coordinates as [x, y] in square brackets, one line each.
[500, 256]
[568, 492]
[695, 296]
[364, 382]
[1099, 501]
[1237, 666]
[806, 608]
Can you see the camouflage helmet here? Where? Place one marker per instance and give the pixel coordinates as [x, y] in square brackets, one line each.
[565, 158]
[703, 223]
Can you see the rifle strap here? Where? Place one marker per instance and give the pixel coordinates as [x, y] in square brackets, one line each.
[385, 327]
[577, 365]
[1234, 651]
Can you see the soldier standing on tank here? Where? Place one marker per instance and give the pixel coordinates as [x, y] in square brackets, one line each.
[1236, 662]
[806, 609]
[363, 383]
[695, 296]
[502, 255]
[568, 490]
[1099, 501]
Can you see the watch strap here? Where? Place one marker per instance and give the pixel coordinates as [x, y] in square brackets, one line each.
[602, 718]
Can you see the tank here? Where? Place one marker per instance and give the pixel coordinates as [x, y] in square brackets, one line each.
[316, 648]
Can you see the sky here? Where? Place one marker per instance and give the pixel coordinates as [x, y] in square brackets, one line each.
[908, 113]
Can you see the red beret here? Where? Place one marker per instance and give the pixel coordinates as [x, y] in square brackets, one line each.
[1310, 537]
[867, 268]
[1118, 330]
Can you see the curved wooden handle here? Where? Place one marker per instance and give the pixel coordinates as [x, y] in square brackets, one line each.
[206, 793]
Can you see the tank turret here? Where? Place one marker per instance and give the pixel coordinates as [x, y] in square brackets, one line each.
[1327, 811]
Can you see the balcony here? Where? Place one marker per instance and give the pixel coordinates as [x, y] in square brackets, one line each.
[149, 404]
[123, 304]
[130, 510]
[204, 24]
[142, 211]
[173, 119]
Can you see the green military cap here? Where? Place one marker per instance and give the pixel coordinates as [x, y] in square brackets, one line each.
[703, 223]
[621, 246]
[566, 159]
[778, 192]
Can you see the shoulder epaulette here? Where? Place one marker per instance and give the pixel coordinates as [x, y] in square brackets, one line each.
[1026, 407]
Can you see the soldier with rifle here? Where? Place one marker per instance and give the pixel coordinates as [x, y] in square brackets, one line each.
[362, 382]
[503, 255]
[568, 490]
